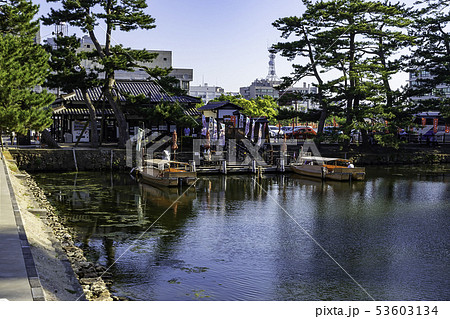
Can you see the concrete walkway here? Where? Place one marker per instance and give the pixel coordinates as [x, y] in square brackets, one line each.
[14, 283]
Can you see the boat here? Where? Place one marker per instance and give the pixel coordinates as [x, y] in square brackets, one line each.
[166, 196]
[161, 172]
[330, 168]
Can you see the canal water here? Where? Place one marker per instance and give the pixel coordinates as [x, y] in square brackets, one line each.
[279, 238]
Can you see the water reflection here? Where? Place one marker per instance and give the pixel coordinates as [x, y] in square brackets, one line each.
[242, 238]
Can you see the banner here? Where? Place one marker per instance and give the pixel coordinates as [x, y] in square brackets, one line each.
[253, 130]
[233, 120]
[435, 125]
[222, 135]
[205, 126]
[424, 121]
[334, 122]
[241, 121]
[211, 126]
[247, 126]
[260, 135]
[447, 128]
[215, 130]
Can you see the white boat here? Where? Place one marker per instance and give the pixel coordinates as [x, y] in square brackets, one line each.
[337, 169]
[166, 173]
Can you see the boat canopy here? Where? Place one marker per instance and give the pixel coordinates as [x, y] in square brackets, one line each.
[163, 162]
[323, 159]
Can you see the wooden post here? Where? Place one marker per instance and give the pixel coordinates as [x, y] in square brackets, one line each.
[192, 166]
[281, 167]
[224, 167]
[253, 166]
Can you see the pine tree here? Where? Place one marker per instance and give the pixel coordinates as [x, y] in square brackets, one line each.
[430, 58]
[349, 47]
[23, 68]
[125, 15]
[69, 75]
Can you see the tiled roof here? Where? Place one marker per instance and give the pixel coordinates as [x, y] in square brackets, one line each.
[217, 105]
[80, 111]
[192, 112]
[150, 89]
[109, 112]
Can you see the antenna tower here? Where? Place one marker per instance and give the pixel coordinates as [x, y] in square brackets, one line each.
[272, 76]
[61, 29]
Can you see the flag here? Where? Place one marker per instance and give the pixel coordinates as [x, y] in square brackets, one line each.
[334, 122]
[447, 128]
[253, 130]
[424, 121]
[259, 135]
[435, 125]
[233, 120]
[241, 121]
[247, 126]
[205, 126]
[215, 133]
[222, 135]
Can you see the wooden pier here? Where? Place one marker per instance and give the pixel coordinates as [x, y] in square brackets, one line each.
[225, 168]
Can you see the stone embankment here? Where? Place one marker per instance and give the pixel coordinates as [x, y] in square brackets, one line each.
[94, 279]
[405, 155]
[68, 159]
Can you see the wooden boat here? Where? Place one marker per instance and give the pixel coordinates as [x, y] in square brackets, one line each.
[336, 169]
[165, 196]
[166, 173]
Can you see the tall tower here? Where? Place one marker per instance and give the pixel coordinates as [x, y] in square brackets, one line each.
[61, 29]
[272, 76]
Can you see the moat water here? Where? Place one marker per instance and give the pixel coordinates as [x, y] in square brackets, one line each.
[279, 238]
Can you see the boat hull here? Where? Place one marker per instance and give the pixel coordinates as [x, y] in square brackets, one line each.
[337, 174]
[167, 179]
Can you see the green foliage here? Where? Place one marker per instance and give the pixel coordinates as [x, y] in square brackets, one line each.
[68, 72]
[353, 44]
[123, 15]
[431, 55]
[16, 18]
[259, 107]
[170, 84]
[23, 67]
[164, 112]
[288, 114]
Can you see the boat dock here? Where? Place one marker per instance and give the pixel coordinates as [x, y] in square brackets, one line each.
[223, 167]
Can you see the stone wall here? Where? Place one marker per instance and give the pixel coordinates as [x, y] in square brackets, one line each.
[34, 160]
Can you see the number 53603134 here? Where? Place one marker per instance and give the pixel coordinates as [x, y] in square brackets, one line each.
[406, 310]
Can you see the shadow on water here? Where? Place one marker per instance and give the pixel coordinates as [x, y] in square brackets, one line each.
[243, 238]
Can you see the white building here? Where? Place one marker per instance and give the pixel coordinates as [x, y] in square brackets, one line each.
[439, 92]
[163, 60]
[303, 104]
[206, 92]
[259, 88]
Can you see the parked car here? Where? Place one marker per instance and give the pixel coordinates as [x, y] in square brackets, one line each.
[275, 131]
[302, 132]
[286, 129]
[332, 131]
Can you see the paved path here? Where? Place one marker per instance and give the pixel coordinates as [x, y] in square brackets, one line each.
[14, 283]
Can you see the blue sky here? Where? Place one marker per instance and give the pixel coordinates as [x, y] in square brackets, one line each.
[225, 42]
